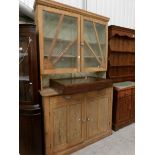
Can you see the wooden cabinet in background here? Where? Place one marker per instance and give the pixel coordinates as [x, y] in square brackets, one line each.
[30, 117]
[74, 121]
[123, 104]
[121, 54]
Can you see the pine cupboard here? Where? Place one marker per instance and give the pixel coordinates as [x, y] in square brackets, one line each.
[74, 121]
[72, 41]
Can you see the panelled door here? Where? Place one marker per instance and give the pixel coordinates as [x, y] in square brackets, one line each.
[59, 41]
[98, 112]
[67, 115]
[93, 45]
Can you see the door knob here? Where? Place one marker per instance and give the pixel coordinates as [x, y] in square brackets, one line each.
[88, 119]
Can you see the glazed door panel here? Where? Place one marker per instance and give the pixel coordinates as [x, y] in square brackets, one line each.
[25, 79]
[60, 37]
[94, 48]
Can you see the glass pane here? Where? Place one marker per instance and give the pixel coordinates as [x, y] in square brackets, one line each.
[60, 41]
[25, 89]
[94, 44]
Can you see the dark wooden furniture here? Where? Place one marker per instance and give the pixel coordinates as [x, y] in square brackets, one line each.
[121, 54]
[123, 104]
[30, 118]
[79, 85]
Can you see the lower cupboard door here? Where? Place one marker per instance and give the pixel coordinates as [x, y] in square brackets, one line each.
[92, 117]
[67, 126]
[59, 128]
[75, 125]
[98, 116]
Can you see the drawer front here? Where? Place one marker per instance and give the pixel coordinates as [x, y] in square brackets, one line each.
[124, 93]
[102, 92]
[66, 98]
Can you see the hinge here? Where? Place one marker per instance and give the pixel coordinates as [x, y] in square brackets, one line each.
[49, 113]
[50, 146]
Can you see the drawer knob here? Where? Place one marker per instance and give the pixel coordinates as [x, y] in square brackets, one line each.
[88, 119]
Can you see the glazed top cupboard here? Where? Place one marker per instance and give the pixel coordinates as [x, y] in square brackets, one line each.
[71, 40]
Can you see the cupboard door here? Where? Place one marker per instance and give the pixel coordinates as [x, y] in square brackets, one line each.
[59, 41]
[104, 112]
[123, 108]
[94, 45]
[75, 125]
[98, 113]
[25, 79]
[59, 128]
[92, 117]
[66, 121]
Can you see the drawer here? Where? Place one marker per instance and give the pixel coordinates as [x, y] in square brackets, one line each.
[66, 98]
[123, 93]
[102, 92]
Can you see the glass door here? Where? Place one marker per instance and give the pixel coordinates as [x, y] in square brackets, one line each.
[25, 84]
[94, 45]
[60, 48]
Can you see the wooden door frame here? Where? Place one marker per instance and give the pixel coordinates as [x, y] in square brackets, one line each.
[43, 71]
[92, 69]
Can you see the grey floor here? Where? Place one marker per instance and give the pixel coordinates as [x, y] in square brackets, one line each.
[121, 142]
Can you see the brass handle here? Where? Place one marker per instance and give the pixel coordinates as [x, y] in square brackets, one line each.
[88, 119]
[30, 83]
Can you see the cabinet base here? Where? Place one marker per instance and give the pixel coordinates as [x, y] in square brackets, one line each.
[82, 145]
[116, 127]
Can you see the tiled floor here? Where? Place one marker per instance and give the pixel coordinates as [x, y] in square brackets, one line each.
[121, 142]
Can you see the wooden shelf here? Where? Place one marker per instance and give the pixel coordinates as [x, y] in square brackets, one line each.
[122, 51]
[64, 56]
[122, 65]
[66, 41]
[121, 76]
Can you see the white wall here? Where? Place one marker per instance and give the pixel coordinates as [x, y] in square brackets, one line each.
[120, 12]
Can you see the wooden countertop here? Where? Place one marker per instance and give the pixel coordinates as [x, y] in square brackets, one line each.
[124, 85]
[49, 92]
